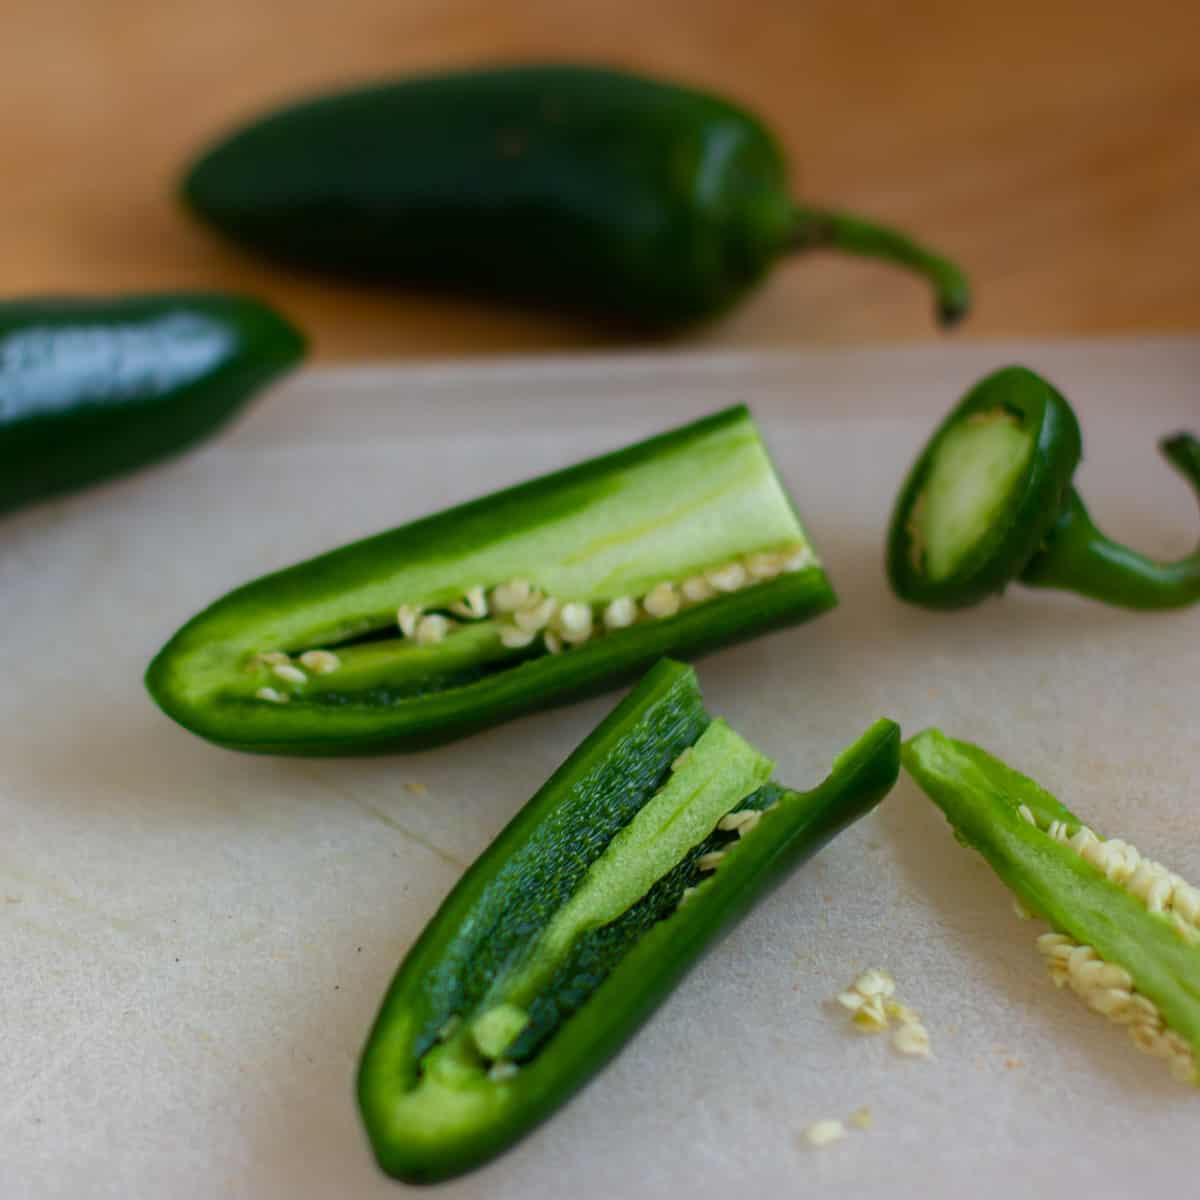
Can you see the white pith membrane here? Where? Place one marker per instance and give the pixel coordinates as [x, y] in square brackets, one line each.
[508, 1020]
[871, 1001]
[1105, 987]
[524, 614]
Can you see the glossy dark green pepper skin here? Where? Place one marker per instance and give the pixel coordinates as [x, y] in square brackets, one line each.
[580, 187]
[92, 388]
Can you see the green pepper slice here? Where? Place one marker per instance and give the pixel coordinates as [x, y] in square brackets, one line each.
[990, 501]
[1125, 934]
[525, 598]
[594, 189]
[92, 388]
[654, 835]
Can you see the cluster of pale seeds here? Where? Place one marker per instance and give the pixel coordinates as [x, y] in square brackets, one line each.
[286, 670]
[1159, 889]
[873, 1006]
[1105, 987]
[742, 822]
[524, 613]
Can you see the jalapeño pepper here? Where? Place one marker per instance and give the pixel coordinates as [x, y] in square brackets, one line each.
[525, 598]
[990, 501]
[584, 187]
[658, 831]
[94, 388]
[1124, 929]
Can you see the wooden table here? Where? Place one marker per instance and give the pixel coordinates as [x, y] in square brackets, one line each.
[1051, 147]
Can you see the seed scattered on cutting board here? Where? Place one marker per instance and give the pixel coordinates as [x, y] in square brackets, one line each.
[873, 1007]
[417, 789]
[824, 1133]
[861, 1118]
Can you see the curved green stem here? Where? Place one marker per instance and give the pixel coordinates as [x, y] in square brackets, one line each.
[817, 227]
[1079, 558]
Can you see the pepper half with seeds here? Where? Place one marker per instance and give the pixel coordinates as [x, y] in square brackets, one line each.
[526, 598]
[1125, 930]
[657, 832]
[92, 388]
[990, 501]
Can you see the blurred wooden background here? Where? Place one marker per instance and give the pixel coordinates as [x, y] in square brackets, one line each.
[1053, 148]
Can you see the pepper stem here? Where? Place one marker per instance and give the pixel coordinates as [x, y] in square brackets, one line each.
[817, 227]
[1079, 558]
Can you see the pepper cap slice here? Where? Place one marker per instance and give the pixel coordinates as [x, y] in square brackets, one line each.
[984, 493]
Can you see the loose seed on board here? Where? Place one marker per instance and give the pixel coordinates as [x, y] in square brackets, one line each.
[912, 1039]
[824, 1133]
[875, 983]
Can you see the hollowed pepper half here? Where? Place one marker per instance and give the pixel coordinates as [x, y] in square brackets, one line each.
[652, 204]
[990, 501]
[525, 598]
[1124, 929]
[653, 836]
[92, 388]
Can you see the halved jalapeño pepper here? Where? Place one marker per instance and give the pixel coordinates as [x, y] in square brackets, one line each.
[656, 833]
[1124, 929]
[528, 597]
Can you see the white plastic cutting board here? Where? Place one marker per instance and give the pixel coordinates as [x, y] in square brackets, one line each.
[193, 942]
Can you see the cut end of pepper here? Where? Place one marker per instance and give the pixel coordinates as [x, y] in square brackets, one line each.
[984, 493]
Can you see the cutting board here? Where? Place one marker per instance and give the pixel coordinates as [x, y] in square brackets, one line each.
[194, 942]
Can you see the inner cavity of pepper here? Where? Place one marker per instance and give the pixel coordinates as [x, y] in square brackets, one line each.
[716, 795]
[971, 479]
[490, 629]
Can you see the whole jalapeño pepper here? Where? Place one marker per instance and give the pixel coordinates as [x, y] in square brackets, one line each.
[582, 187]
[653, 837]
[92, 388]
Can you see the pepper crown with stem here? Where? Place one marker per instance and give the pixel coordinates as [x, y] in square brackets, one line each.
[1080, 558]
